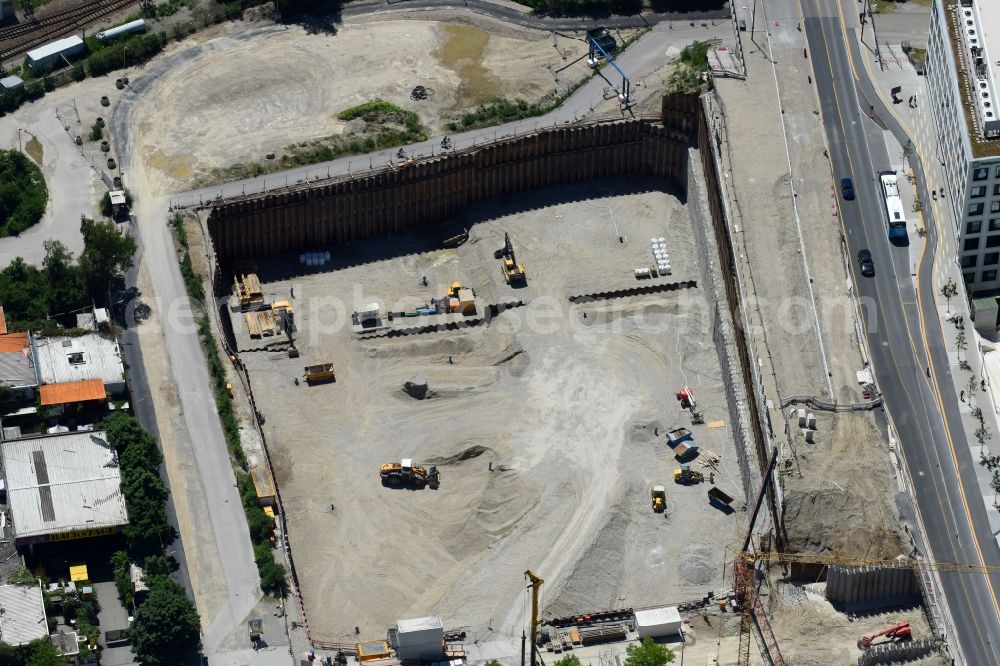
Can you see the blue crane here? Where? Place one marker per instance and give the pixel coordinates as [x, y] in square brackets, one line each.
[596, 48]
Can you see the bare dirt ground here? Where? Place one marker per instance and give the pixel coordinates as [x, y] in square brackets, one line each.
[813, 632]
[249, 97]
[839, 492]
[569, 404]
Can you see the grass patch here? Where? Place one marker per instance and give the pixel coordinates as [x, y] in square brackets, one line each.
[498, 111]
[385, 126]
[34, 149]
[690, 73]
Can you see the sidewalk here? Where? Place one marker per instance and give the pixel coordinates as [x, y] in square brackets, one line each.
[968, 381]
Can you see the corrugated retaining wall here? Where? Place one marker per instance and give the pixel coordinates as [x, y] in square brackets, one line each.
[327, 212]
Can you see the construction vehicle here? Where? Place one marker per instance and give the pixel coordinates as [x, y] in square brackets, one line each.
[658, 495]
[255, 627]
[403, 473]
[513, 272]
[686, 397]
[321, 372]
[898, 632]
[458, 299]
[534, 584]
[285, 315]
[686, 475]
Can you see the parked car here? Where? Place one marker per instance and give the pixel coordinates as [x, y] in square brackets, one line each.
[865, 262]
[847, 188]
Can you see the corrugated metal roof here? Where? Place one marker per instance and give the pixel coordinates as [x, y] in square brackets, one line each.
[655, 617]
[63, 483]
[11, 82]
[22, 614]
[64, 359]
[419, 624]
[263, 482]
[68, 392]
[55, 47]
[17, 368]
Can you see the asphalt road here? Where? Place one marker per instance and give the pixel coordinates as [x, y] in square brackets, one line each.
[230, 553]
[924, 410]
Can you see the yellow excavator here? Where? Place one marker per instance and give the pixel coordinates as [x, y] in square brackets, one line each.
[513, 272]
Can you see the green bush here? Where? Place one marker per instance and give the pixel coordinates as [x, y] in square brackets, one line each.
[497, 112]
[96, 134]
[23, 194]
[272, 574]
[135, 50]
[120, 564]
[145, 493]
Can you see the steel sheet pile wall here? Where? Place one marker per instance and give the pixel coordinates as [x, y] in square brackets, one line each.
[326, 213]
[872, 586]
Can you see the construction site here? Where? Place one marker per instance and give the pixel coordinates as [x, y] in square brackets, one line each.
[562, 351]
[551, 382]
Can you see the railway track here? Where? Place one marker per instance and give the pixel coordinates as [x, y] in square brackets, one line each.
[23, 37]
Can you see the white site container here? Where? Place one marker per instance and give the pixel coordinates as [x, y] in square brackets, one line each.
[658, 622]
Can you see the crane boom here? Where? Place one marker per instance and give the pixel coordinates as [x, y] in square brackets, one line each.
[534, 584]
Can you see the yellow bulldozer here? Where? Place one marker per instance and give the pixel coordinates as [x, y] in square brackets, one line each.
[658, 495]
[405, 473]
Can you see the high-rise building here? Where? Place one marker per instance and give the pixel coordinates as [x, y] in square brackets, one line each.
[963, 71]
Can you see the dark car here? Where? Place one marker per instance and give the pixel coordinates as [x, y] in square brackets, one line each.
[847, 188]
[866, 263]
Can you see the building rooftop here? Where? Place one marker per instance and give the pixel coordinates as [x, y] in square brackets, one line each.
[974, 30]
[419, 624]
[70, 392]
[55, 47]
[63, 483]
[17, 367]
[22, 614]
[65, 359]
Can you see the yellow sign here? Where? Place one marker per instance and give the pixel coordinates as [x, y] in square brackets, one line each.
[82, 534]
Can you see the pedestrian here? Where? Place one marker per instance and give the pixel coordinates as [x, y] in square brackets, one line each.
[961, 396]
[982, 386]
[450, 362]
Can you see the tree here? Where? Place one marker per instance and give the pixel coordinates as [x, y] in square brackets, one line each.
[569, 660]
[23, 195]
[647, 654]
[166, 629]
[23, 291]
[983, 435]
[961, 344]
[995, 485]
[971, 387]
[106, 252]
[64, 282]
[44, 653]
[949, 291]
